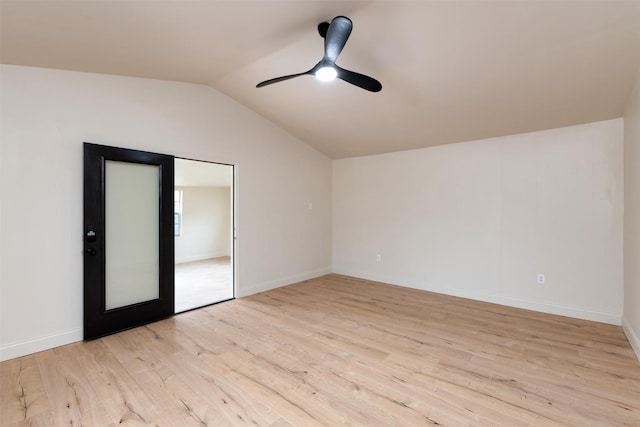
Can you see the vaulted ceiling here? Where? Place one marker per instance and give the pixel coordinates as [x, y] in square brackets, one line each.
[451, 71]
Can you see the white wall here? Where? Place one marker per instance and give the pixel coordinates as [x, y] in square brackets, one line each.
[206, 224]
[47, 114]
[631, 320]
[481, 219]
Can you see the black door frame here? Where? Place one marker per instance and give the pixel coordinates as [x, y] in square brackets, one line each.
[98, 321]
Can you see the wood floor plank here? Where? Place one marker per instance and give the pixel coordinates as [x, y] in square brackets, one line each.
[165, 398]
[203, 282]
[69, 390]
[23, 392]
[335, 350]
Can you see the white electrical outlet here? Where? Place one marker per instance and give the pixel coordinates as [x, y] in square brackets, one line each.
[540, 279]
[378, 257]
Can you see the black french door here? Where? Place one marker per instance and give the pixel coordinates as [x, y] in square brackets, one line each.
[128, 239]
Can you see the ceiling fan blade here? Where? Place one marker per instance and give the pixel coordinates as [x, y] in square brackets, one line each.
[281, 79]
[360, 80]
[337, 35]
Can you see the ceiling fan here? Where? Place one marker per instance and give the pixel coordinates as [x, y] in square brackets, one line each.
[335, 36]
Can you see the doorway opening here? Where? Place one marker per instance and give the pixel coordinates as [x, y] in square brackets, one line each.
[203, 233]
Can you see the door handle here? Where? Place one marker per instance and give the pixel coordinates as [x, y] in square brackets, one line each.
[91, 252]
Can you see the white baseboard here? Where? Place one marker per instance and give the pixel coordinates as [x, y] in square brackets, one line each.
[272, 284]
[632, 336]
[541, 306]
[201, 257]
[12, 351]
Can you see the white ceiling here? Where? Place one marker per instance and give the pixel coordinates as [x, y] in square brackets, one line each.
[451, 71]
[195, 173]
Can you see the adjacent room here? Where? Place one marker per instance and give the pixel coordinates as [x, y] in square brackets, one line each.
[332, 213]
[203, 224]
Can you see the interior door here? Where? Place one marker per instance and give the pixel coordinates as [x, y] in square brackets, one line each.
[128, 239]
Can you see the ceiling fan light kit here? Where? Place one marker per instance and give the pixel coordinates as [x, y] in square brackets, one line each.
[335, 36]
[326, 73]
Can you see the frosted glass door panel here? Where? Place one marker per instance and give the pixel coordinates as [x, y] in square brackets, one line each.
[131, 233]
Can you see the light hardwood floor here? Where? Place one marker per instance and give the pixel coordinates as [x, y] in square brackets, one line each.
[204, 282]
[335, 351]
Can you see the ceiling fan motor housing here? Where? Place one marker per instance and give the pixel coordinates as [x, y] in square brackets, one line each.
[322, 29]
